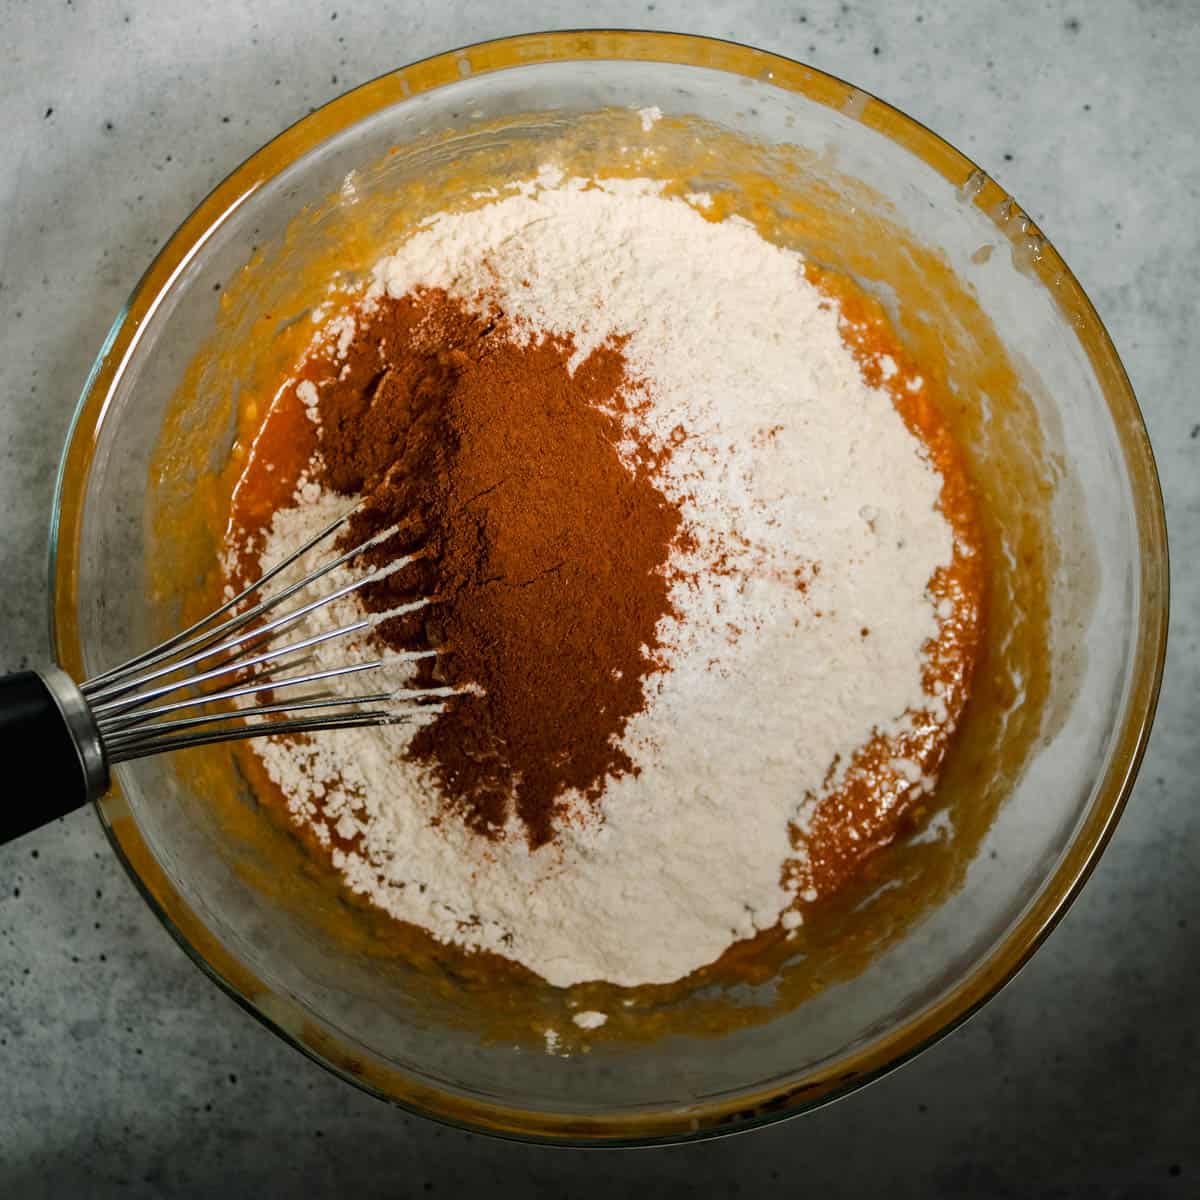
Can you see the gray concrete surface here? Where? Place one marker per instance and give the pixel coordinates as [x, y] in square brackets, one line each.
[123, 1072]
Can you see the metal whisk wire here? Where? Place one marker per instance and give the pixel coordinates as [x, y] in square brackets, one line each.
[239, 652]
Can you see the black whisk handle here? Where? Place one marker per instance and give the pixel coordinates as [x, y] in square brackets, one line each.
[50, 750]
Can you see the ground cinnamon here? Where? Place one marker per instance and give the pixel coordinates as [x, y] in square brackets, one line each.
[545, 552]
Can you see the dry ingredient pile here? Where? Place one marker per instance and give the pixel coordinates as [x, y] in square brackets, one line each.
[546, 552]
[690, 572]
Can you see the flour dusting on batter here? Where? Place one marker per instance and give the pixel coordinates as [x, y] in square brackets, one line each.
[801, 614]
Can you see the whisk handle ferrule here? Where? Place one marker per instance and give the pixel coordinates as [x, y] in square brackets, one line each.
[51, 747]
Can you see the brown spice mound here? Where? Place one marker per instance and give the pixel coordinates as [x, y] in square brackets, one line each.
[546, 554]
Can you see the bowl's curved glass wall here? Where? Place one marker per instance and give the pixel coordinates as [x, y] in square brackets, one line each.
[360, 1015]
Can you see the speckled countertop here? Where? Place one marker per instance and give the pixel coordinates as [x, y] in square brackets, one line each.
[123, 1072]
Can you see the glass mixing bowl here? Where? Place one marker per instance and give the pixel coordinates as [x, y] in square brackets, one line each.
[360, 1015]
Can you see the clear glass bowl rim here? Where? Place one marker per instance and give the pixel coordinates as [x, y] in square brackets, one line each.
[897, 1045]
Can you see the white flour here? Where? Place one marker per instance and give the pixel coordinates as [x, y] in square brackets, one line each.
[788, 456]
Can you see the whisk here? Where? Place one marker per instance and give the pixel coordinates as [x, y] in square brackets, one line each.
[68, 735]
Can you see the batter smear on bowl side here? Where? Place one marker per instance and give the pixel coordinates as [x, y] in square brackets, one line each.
[704, 573]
